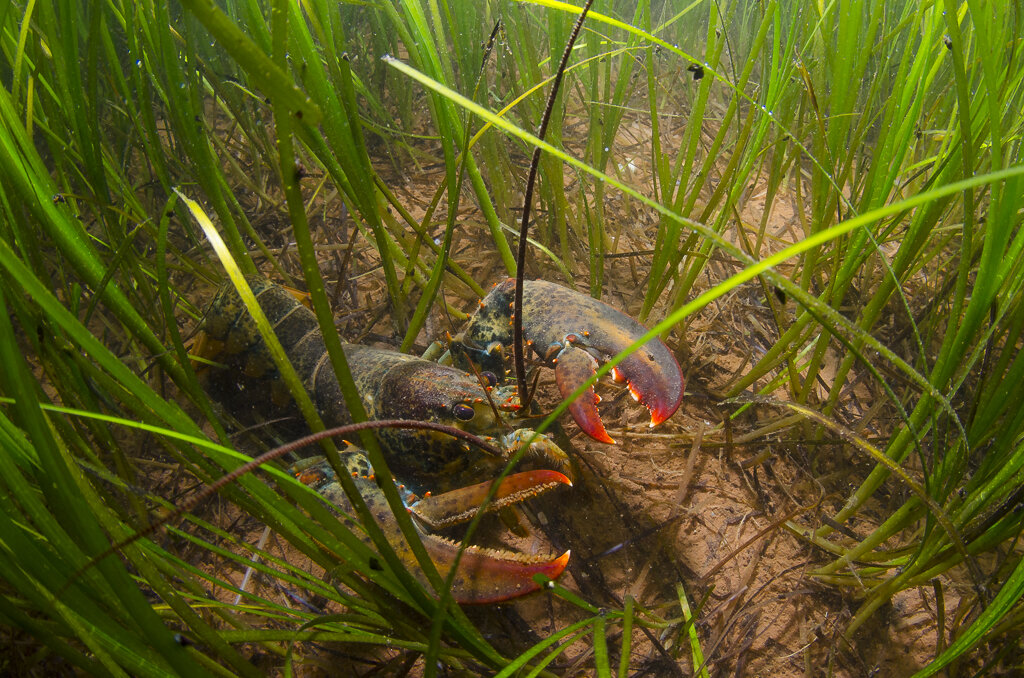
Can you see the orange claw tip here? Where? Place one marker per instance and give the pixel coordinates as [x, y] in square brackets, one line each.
[657, 418]
[561, 562]
[660, 411]
[557, 566]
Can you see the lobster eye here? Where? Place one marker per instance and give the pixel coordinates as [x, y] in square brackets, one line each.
[463, 412]
[490, 377]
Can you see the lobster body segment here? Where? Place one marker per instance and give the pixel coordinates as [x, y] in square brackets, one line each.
[574, 333]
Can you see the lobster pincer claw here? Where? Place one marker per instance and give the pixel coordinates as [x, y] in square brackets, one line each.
[575, 333]
[482, 575]
[459, 505]
[488, 575]
[573, 367]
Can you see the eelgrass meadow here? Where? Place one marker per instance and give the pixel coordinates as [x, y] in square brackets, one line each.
[818, 204]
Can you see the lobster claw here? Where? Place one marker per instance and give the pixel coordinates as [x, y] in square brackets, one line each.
[482, 575]
[577, 333]
[652, 376]
[574, 366]
[488, 575]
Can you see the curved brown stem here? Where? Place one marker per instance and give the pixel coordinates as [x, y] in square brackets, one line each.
[517, 318]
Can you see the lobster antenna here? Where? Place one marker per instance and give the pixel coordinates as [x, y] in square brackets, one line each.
[517, 317]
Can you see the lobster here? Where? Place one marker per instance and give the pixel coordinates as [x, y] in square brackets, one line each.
[391, 386]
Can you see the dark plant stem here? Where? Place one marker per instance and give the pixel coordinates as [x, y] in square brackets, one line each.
[517, 318]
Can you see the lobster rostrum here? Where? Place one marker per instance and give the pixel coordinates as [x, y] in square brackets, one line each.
[573, 333]
[391, 386]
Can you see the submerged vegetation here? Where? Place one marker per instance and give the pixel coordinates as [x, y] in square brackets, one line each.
[133, 132]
